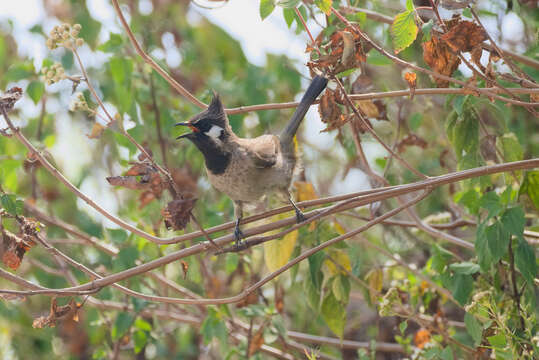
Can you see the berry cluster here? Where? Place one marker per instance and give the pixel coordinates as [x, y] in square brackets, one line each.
[53, 73]
[79, 103]
[65, 35]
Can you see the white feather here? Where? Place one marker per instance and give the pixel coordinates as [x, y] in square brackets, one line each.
[214, 132]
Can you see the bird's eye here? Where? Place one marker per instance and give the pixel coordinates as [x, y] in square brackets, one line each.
[203, 125]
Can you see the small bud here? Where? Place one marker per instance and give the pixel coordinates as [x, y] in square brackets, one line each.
[74, 33]
[80, 42]
[77, 27]
[50, 74]
[68, 44]
[65, 35]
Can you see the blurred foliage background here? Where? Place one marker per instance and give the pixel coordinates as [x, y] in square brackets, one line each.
[350, 291]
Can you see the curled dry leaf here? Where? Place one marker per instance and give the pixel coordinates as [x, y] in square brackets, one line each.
[330, 112]
[141, 176]
[97, 130]
[185, 268]
[10, 97]
[257, 340]
[343, 51]
[65, 312]
[411, 79]
[411, 140]
[13, 248]
[375, 109]
[464, 36]
[178, 212]
[440, 58]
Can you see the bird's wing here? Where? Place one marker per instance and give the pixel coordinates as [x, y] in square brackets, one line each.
[263, 150]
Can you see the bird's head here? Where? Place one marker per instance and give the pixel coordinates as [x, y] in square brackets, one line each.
[210, 127]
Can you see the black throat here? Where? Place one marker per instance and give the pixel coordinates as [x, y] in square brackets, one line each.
[216, 159]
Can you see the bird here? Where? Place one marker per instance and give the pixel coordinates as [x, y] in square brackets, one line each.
[247, 169]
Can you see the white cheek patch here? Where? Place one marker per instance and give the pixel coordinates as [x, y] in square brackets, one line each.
[214, 132]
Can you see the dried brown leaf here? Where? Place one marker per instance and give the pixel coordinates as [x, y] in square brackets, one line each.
[177, 213]
[10, 97]
[64, 312]
[440, 58]
[464, 36]
[257, 340]
[97, 131]
[13, 248]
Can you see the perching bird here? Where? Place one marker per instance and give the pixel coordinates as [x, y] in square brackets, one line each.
[248, 169]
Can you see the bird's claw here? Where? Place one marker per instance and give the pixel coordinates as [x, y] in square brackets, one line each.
[238, 236]
[299, 216]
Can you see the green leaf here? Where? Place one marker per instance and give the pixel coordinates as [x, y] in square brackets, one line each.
[467, 13]
[142, 324]
[464, 268]
[513, 220]
[463, 132]
[289, 16]
[415, 121]
[403, 325]
[341, 288]
[447, 354]
[324, 5]
[404, 30]
[511, 148]
[334, 314]
[492, 203]
[19, 71]
[375, 58]
[497, 341]
[288, 4]
[481, 247]
[461, 288]
[35, 90]
[113, 44]
[266, 8]
[525, 260]
[410, 5]
[213, 327]
[127, 257]
[470, 199]
[474, 328]
[530, 187]
[9, 203]
[117, 236]
[498, 240]
[232, 261]
[426, 30]
[315, 265]
[140, 338]
[121, 325]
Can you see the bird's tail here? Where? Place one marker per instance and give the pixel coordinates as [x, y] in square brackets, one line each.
[317, 86]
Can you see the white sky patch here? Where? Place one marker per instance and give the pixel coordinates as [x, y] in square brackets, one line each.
[241, 19]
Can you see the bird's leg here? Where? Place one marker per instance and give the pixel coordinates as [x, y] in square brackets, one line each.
[299, 215]
[238, 213]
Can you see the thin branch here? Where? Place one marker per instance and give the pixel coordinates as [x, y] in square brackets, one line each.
[147, 59]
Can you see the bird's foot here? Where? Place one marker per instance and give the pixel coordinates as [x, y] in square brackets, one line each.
[299, 216]
[238, 236]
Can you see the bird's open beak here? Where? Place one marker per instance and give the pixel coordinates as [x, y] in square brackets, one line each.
[190, 126]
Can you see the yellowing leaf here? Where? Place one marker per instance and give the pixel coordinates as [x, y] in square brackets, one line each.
[404, 30]
[342, 259]
[375, 279]
[305, 191]
[277, 252]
